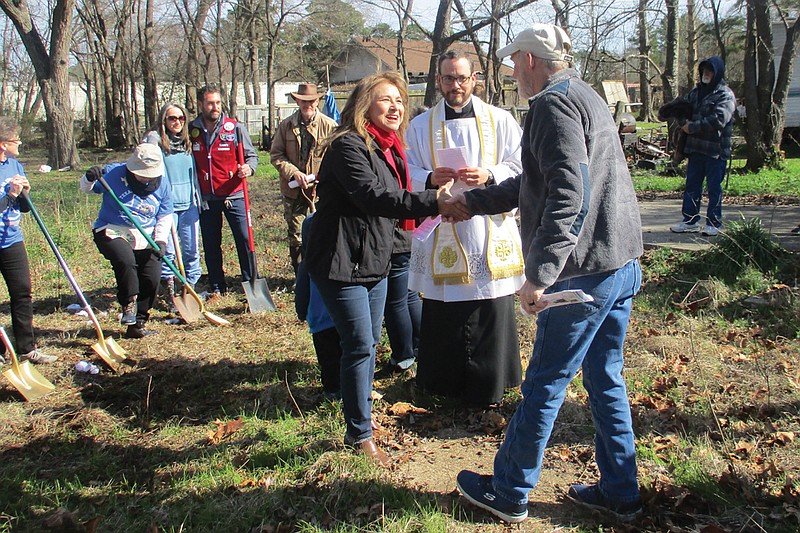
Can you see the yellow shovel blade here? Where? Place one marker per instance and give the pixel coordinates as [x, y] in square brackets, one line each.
[28, 381]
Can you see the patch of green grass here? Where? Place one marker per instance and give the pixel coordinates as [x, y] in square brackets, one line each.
[784, 181]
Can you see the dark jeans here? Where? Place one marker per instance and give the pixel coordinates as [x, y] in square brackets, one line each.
[17, 273]
[702, 167]
[327, 345]
[403, 314]
[357, 311]
[211, 228]
[137, 272]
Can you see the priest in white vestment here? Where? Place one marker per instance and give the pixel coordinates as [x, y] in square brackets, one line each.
[468, 272]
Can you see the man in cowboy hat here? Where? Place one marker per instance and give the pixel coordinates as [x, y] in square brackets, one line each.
[295, 153]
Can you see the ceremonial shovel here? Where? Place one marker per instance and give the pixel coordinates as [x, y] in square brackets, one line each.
[211, 317]
[26, 379]
[107, 348]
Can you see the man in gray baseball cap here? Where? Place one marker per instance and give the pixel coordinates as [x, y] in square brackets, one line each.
[580, 230]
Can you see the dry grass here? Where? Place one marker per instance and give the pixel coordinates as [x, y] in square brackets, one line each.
[714, 392]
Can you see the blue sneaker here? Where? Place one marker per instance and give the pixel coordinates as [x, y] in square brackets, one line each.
[478, 490]
[591, 497]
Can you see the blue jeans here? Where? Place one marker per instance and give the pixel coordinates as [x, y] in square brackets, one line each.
[187, 225]
[357, 312]
[211, 227]
[713, 170]
[588, 336]
[403, 313]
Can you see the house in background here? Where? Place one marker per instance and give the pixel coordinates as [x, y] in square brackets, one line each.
[369, 55]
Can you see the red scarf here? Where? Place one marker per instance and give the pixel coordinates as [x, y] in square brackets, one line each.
[390, 144]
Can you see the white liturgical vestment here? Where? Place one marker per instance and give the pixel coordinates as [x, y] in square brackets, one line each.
[492, 141]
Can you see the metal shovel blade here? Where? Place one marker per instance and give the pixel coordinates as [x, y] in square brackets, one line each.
[187, 307]
[28, 381]
[258, 297]
[112, 354]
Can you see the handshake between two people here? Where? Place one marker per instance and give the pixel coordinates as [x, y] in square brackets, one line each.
[454, 208]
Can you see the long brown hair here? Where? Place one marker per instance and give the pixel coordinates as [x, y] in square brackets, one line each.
[354, 114]
[161, 130]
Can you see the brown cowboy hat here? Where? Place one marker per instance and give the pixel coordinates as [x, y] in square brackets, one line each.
[307, 92]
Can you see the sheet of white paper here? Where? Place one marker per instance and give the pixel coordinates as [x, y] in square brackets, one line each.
[455, 158]
[567, 297]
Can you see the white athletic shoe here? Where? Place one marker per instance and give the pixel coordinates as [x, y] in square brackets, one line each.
[684, 227]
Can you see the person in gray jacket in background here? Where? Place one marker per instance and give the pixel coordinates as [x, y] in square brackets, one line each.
[580, 230]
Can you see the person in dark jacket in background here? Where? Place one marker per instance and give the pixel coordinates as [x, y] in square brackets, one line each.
[708, 147]
[310, 308]
[362, 193]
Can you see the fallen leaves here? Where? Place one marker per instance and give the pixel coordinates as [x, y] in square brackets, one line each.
[224, 430]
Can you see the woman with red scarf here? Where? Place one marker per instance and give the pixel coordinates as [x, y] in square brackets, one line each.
[364, 196]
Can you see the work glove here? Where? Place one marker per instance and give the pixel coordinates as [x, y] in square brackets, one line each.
[93, 173]
[162, 249]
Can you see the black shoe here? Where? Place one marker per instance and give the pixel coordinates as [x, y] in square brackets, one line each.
[591, 497]
[478, 490]
[138, 332]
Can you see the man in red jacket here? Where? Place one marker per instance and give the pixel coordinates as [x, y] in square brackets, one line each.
[215, 142]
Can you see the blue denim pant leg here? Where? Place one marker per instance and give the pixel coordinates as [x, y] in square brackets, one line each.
[357, 312]
[715, 173]
[591, 336]
[693, 193]
[403, 313]
[187, 223]
[189, 235]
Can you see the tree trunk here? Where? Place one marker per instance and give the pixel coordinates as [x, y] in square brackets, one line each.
[669, 79]
[193, 27]
[644, 65]
[691, 46]
[148, 67]
[51, 72]
[441, 30]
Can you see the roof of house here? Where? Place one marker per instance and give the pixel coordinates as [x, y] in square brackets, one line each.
[418, 53]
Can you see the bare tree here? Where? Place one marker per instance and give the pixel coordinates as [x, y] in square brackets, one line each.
[691, 45]
[766, 93]
[149, 65]
[669, 78]
[52, 69]
[644, 66]
[193, 21]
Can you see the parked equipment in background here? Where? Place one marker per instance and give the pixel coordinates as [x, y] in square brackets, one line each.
[211, 317]
[26, 379]
[107, 348]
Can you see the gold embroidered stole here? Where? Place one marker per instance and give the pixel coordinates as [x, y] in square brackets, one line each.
[448, 259]
[503, 254]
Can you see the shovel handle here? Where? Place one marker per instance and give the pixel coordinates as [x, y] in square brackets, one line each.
[61, 261]
[138, 226]
[10, 350]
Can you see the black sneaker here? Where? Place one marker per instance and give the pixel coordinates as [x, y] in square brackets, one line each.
[591, 497]
[478, 490]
